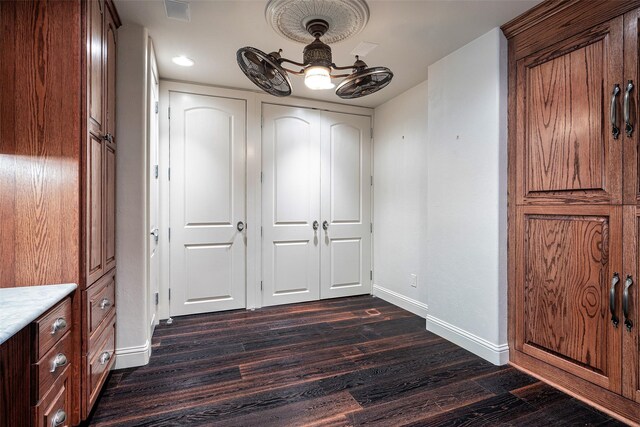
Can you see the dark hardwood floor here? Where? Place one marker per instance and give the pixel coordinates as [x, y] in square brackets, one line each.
[350, 361]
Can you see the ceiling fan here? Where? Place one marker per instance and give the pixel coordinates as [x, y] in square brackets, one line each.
[294, 18]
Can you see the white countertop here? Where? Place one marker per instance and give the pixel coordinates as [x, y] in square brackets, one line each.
[21, 306]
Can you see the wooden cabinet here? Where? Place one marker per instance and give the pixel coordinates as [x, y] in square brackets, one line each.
[58, 167]
[100, 163]
[574, 199]
[52, 360]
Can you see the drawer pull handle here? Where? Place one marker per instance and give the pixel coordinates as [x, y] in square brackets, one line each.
[58, 361]
[59, 418]
[58, 325]
[104, 358]
[105, 303]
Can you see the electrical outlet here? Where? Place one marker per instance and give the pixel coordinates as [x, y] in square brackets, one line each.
[413, 280]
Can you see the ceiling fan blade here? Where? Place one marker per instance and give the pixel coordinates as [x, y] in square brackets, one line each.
[264, 71]
[364, 82]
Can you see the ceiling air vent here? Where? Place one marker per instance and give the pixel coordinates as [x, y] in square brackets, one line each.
[178, 10]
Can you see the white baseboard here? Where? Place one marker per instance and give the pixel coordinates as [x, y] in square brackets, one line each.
[416, 307]
[496, 354]
[130, 357]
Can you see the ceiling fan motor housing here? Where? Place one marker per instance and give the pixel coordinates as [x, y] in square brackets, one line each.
[317, 53]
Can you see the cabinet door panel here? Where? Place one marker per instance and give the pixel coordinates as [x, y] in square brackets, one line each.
[631, 168]
[631, 334]
[95, 200]
[565, 261]
[110, 68]
[95, 60]
[566, 150]
[109, 213]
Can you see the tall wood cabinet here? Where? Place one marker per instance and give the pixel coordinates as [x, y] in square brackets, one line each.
[574, 199]
[58, 169]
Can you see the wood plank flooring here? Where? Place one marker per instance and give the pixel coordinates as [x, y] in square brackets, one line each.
[343, 362]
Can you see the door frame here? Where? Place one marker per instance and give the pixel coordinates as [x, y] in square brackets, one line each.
[254, 102]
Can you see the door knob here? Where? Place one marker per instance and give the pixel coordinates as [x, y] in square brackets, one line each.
[325, 225]
[315, 225]
[240, 225]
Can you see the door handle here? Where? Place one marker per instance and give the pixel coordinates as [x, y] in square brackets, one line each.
[613, 114]
[325, 225]
[315, 225]
[625, 303]
[628, 127]
[155, 234]
[612, 299]
[240, 226]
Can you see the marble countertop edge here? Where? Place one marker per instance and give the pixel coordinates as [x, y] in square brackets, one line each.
[22, 305]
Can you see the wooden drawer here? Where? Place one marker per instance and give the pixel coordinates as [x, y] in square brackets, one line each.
[51, 366]
[55, 408]
[100, 360]
[101, 298]
[51, 327]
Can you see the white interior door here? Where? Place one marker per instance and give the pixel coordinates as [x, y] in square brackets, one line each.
[345, 203]
[207, 197]
[290, 204]
[154, 199]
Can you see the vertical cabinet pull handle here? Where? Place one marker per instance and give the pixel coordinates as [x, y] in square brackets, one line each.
[612, 299]
[625, 303]
[615, 130]
[628, 127]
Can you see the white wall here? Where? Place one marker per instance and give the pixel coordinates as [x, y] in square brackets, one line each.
[133, 334]
[440, 200]
[466, 215]
[400, 199]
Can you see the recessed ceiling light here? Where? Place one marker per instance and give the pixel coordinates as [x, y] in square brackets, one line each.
[183, 61]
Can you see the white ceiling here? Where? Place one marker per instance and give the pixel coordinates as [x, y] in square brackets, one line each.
[411, 36]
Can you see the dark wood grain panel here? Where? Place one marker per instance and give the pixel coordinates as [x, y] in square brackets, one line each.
[554, 20]
[353, 369]
[564, 142]
[565, 151]
[15, 374]
[109, 207]
[95, 64]
[567, 264]
[631, 336]
[631, 175]
[39, 178]
[95, 209]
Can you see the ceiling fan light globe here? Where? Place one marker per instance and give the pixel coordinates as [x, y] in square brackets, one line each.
[318, 78]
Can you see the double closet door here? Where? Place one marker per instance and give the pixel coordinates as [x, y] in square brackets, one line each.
[316, 205]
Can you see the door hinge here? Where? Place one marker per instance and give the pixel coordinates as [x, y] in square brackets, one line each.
[261, 176]
[260, 231]
[155, 171]
[169, 112]
[169, 293]
[371, 129]
[370, 274]
[169, 173]
[157, 109]
[261, 285]
[372, 180]
[261, 122]
[169, 233]
[157, 298]
[371, 227]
